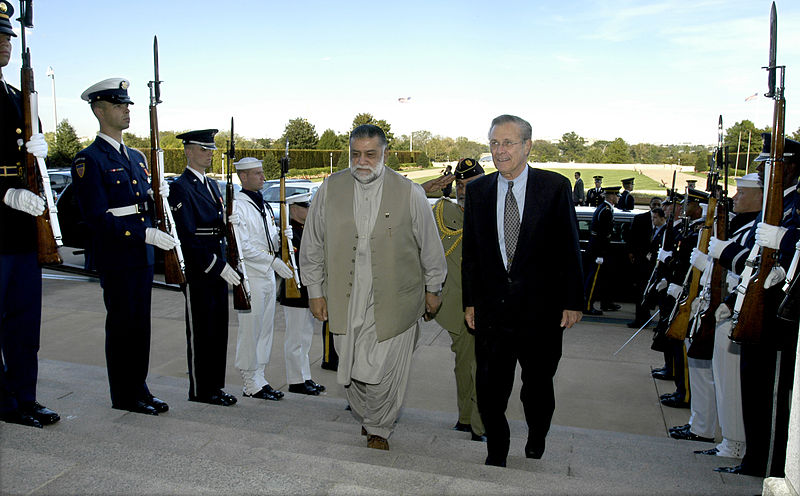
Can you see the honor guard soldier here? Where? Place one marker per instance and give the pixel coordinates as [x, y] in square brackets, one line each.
[626, 201]
[597, 287]
[197, 207]
[20, 274]
[594, 197]
[112, 184]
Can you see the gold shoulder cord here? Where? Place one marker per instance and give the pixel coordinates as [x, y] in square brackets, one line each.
[445, 231]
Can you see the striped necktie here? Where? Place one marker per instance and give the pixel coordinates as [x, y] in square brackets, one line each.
[511, 224]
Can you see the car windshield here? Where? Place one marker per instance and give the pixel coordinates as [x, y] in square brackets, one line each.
[273, 193]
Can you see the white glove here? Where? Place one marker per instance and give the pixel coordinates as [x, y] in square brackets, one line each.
[235, 219]
[281, 268]
[661, 285]
[663, 255]
[716, 246]
[776, 275]
[163, 190]
[288, 233]
[732, 280]
[722, 312]
[24, 201]
[37, 146]
[675, 290]
[598, 260]
[159, 238]
[698, 259]
[769, 236]
[231, 276]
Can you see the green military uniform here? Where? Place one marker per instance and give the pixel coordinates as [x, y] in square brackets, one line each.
[450, 222]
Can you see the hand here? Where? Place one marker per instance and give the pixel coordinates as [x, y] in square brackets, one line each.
[722, 312]
[698, 259]
[663, 255]
[675, 290]
[437, 183]
[281, 268]
[661, 285]
[163, 190]
[24, 201]
[432, 305]
[230, 276]
[37, 146]
[716, 246]
[570, 317]
[769, 236]
[235, 219]
[288, 233]
[319, 308]
[598, 260]
[775, 276]
[469, 317]
[732, 281]
[159, 238]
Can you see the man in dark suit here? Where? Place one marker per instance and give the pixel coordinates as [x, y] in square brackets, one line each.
[597, 285]
[20, 273]
[578, 195]
[522, 284]
[112, 185]
[638, 246]
[197, 206]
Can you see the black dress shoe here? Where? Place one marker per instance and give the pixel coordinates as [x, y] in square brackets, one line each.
[494, 462]
[667, 395]
[660, 370]
[214, 399]
[675, 402]
[262, 394]
[477, 437]
[684, 427]
[303, 388]
[462, 427]
[137, 407]
[17, 417]
[160, 406]
[44, 415]
[329, 366]
[534, 448]
[273, 392]
[613, 307]
[688, 435]
[662, 376]
[712, 452]
[318, 387]
[740, 470]
[593, 311]
[231, 398]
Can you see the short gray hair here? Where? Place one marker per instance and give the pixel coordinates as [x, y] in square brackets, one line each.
[525, 129]
[368, 131]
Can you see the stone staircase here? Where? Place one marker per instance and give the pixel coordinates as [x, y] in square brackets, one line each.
[312, 445]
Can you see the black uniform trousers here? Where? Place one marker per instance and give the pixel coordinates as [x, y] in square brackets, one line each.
[497, 352]
[127, 295]
[206, 332]
[20, 319]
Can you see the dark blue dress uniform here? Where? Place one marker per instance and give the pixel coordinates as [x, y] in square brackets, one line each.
[601, 229]
[20, 274]
[200, 223]
[626, 201]
[105, 179]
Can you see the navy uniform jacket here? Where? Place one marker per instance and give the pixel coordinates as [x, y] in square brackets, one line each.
[302, 301]
[626, 201]
[601, 228]
[200, 223]
[104, 178]
[594, 197]
[12, 175]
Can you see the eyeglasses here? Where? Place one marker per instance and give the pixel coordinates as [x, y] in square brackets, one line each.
[494, 144]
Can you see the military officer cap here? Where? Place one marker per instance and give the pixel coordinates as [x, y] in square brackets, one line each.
[677, 196]
[791, 148]
[248, 163]
[300, 199]
[114, 90]
[696, 195]
[749, 181]
[598, 178]
[468, 168]
[627, 181]
[6, 11]
[202, 137]
[691, 183]
[609, 190]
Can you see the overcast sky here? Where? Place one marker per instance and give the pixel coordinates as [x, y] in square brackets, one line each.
[646, 71]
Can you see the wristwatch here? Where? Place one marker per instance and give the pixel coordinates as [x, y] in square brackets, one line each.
[435, 293]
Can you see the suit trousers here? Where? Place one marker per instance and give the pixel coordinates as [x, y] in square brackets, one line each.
[127, 294]
[20, 320]
[497, 352]
[206, 333]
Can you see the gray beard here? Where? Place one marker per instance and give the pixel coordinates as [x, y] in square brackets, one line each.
[369, 178]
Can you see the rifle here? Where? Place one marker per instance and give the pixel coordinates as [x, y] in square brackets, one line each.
[702, 347]
[679, 326]
[748, 312]
[241, 292]
[174, 266]
[293, 285]
[651, 283]
[48, 230]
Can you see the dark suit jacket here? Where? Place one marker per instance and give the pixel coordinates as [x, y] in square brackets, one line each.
[639, 235]
[546, 276]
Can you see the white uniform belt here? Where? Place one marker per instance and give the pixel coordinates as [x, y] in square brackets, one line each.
[134, 209]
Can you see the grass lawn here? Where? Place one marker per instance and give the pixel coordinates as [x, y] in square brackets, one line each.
[610, 178]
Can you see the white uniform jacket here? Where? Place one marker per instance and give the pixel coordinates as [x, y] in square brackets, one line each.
[257, 249]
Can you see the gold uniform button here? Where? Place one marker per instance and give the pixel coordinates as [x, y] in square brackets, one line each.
[134, 181]
[137, 193]
[19, 131]
[127, 233]
[117, 182]
[142, 219]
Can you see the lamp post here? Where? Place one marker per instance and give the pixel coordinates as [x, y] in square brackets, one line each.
[411, 134]
[331, 162]
[52, 75]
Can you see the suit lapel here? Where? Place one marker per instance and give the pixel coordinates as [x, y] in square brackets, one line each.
[490, 211]
[530, 217]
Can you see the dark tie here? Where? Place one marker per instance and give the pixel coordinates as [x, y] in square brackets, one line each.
[511, 224]
[208, 187]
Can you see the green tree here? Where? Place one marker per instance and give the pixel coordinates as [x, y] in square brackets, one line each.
[66, 144]
[272, 169]
[421, 139]
[701, 162]
[796, 135]
[134, 141]
[367, 118]
[329, 141]
[747, 130]
[344, 160]
[617, 152]
[544, 151]
[300, 133]
[423, 161]
[572, 147]
[464, 148]
[393, 162]
[168, 139]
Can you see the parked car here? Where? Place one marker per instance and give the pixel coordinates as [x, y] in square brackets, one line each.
[59, 179]
[271, 191]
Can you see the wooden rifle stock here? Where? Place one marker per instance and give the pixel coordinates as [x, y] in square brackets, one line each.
[241, 292]
[292, 291]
